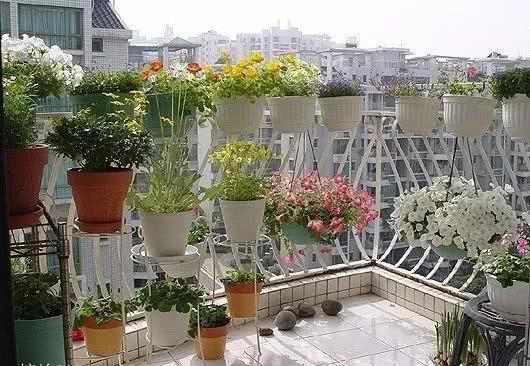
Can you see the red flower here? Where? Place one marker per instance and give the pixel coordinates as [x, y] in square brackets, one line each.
[77, 335]
[193, 68]
[156, 65]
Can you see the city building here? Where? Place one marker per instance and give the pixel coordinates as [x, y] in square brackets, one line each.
[213, 46]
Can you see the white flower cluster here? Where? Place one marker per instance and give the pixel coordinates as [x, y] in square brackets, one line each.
[442, 215]
[32, 50]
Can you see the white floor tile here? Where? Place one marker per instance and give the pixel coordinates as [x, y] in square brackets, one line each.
[161, 358]
[365, 314]
[392, 358]
[294, 352]
[321, 324]
[422, 352]
[401, 333]
[231, 358]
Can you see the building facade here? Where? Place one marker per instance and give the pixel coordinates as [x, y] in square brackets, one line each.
[212, 46]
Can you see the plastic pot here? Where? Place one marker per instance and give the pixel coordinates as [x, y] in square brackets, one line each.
[167, 329]
[341, 113]
[243, 219]
[292, 114]
[510, 302]
[166, 234]
[467, 116]
[213, 342]
[516, 116]
[239, 115]
[242, 299]
[40, 341]
[417, 115]
[103, 340]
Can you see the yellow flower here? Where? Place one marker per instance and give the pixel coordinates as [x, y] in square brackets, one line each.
[244, 63]
[237, 71]
[273, 67]
[251, 72]
[227, 69]
[256, 57]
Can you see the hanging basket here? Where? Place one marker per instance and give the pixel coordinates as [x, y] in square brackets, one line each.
[166, 106]
[451, 252]
[516, 116]
[292, 114]
[341, 113]
[467, 116]
[239, 115]
[417, 115]
[100, 104]
[299, 235]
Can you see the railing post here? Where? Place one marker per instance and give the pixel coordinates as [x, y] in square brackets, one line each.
[378, 130]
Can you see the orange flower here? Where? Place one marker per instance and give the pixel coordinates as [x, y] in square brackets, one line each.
[193, 68]
[156, 65]
[145, 74]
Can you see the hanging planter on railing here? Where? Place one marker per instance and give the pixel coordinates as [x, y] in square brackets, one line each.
[417, 115]
[292, 114]
[341, 104]
[239, 115]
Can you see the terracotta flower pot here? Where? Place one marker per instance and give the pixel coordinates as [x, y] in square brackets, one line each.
[103, 340]
[99, 198]
[213, 341]
[24, 175]
[242, 299]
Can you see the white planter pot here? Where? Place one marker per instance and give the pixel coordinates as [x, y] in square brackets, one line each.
[242, 219]
[166, 234]
[239, 115]
[510, 302]
[167, 329]
[516, 116]
[292, 114]
[341, 113]
[466, 115]
[417, 115]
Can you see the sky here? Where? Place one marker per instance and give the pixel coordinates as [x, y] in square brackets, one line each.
[443, 27]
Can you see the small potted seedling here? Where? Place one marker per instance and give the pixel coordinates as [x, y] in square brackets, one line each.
[242, 289]
[210, 336]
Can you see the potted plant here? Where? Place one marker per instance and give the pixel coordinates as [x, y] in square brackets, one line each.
[466, 112]
[512, 88]
[241, 192]
[242, 288]
[507, 271]
[210, 336]
[106, 148]
[102, 323]
[38, 319]
[104, 92]
[293, 86]
[341, 104]
[416, 112]
[455, 220]
[167, 306]
[311, 210]
[238, 95]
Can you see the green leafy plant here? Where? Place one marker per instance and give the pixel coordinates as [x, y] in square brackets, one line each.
[102, 143]
[289, 76]
[211, 316]
[401, 88]
[102, 310]
[465, 89]
[18, 113]
[506, 84]
[168, 294]
[242, 276]
[33, 298]
[199, 231]
[99, 82]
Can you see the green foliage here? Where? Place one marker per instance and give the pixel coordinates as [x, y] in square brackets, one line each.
[198, 232]
[401, 88]
[289, 76]
[507, 267]
[43, 79]
[242, 276]
[506, 84]
[32, 296]
[99, 82]
[341, 87]
[211, 316]
[18, 113]
[465, 89]
[103, 310]
[101, 143]
[168, 294]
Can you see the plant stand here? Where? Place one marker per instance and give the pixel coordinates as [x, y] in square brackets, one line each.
[48, 238]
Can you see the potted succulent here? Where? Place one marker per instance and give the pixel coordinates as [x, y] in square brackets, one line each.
[241, 192]
[167, 306]
[507, 271]
[106, 148]
[38, 319]
[238, 95]
[210, 335]
[444, 217]
[416, 113]
[104, 92]
[242, 288]
[102, 323]
[293, 87]
[512, 88]
[466, 112]
[341, 104]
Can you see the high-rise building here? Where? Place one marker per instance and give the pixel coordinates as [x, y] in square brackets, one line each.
[212, 46]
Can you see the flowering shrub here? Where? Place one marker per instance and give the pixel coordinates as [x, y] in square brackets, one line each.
[340, 87]
[289, 76]
[325, 208]
[51, 69]
[442, 215]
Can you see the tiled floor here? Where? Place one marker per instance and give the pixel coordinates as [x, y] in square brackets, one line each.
[369, 331]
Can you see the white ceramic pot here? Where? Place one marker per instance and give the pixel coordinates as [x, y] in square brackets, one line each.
[510, 302]
[167, 329]
[242, 219]
[239, 115]
[467, 116]
[292, 114]
[341, 113]
[417, 115]
[166, 234]
[516, 116]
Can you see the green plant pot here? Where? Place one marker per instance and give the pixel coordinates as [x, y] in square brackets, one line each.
[99, 104]
[298, 235]
[451, 252]
[40, 341]
[162, 106]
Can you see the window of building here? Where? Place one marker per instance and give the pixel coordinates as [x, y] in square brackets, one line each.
[294, 40]
[55, 25]
[5, 19]
[364, 78]
[97, 44]
[275, 39]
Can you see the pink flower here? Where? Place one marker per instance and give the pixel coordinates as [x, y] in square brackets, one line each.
[522, 247]
[325, 249]
[317, 226]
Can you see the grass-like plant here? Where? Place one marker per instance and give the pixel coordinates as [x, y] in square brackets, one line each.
[242, 276]
[103, 310]
[340, 87]
[99, 82]
[506, 84]
[168, 294]
[18, 113]
[211, 316]
[33, 298]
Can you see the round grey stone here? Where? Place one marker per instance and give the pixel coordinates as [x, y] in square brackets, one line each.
[306, 311]
[285, 320]
[331, 307]
[265, 332]
[291, 309]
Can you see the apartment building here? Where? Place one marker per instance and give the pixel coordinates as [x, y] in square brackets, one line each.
[212, 46]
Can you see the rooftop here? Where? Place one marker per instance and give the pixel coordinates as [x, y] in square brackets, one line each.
[104, 16]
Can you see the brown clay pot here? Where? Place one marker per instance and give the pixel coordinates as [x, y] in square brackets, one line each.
[242, 299]
[99, 198]
[24, 175]
[103, 340]
[213, 342]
